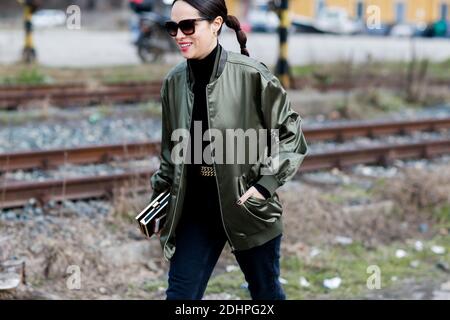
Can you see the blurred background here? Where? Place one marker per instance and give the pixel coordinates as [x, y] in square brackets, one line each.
[366, 217]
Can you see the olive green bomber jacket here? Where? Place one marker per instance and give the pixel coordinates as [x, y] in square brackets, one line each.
[242, 93]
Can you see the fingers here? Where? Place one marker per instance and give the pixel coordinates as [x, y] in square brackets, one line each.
[250, 192]
[244, 197]
[258, 195]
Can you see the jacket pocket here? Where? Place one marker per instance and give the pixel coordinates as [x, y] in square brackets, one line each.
[266, 210]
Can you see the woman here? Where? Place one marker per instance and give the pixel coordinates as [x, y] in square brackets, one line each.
[216, 202]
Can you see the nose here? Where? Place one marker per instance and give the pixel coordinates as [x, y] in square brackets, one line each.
[180, 35]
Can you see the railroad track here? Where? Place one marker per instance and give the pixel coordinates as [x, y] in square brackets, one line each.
[375, 129]
[324, 83]
[67, 95]
[48, 159]
[100, 154]
[14, 194]
[44, 88]
[75, 94]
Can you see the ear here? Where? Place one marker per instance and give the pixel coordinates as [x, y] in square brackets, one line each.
[216, 24]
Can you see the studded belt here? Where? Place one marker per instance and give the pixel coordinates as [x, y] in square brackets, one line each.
[207, 171]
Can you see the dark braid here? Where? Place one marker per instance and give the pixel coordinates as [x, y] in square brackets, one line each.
[212, 9]
[233, 23]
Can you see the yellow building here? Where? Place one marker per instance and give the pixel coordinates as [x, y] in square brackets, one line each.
[391, 11]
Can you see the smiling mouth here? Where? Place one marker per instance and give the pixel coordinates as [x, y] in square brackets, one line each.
[186, 45]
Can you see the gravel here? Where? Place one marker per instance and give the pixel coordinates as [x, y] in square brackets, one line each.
[92, 130]
[89, 126]
[439, 111]
[75, 171]
[365, 142]
[51, 211]
[363, 175]
[128, 123]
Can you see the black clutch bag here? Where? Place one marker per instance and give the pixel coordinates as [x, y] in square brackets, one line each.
[152, 218]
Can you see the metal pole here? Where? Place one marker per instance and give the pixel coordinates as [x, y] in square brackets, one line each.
[29, 52]
[282, 69]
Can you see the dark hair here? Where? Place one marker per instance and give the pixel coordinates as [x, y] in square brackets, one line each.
[211, 9]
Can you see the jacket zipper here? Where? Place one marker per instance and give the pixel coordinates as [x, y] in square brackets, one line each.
[215, 177]
[176, 201]
[174, 214]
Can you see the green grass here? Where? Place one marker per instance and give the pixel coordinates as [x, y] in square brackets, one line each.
[230, 283]
[334, 198]
[357, 191]
[149, 108]
[350, 263]
[385, 102]
[442, 214]
[440, 70]
[346, 193]
[437, 70]
[17, 118]
[334, 72]
[37, 74]
[305, 70]
[28, 76]
[321, 73]
[373, 102]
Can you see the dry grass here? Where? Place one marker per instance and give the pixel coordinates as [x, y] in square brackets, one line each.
[315, 215]
[37, 74]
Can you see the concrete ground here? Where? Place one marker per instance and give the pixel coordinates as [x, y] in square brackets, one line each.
[83, 48]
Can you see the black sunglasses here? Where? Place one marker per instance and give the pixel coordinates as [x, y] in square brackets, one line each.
[186, 26]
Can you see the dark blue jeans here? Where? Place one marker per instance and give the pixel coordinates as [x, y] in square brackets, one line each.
[199, 244]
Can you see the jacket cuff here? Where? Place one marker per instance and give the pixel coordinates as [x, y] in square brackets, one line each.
[262, 190]
[269, 182]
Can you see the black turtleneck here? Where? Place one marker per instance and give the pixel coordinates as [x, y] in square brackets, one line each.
[202, 197]
[202, 70]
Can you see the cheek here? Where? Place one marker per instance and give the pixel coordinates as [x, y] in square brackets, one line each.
[202, 37]
[198, 44]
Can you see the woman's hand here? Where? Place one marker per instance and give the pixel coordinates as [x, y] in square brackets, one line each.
[250, 192]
